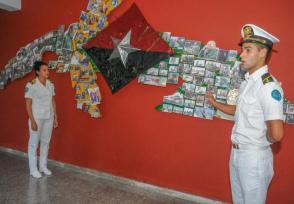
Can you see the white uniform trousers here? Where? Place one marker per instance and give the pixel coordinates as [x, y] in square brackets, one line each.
[251, 172]
[42, 135]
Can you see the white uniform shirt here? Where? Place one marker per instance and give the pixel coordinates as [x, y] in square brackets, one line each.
[257, 103]
[41, 96]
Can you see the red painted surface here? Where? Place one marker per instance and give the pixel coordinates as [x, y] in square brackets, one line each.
[132, 139]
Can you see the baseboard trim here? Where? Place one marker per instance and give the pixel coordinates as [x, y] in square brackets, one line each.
[122, 180]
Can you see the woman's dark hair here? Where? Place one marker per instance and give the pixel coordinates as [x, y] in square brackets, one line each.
[37, 66]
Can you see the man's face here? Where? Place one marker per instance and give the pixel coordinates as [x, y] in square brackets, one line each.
[44, 72]
[251, 57]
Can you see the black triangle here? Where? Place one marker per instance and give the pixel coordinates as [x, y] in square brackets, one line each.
[114, 72]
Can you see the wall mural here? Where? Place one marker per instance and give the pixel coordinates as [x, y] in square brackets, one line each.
[128, 48]
[67, 44]
[202, 68]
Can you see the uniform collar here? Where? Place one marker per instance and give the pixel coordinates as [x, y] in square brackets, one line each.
[38, 81]
[257, 74]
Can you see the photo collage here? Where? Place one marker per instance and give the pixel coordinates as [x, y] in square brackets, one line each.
[23, 62]
[288, 112]
[203, 68]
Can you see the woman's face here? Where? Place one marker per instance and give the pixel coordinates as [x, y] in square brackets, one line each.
[43, 72]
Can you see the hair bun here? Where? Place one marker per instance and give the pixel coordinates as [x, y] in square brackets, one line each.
[38, 63]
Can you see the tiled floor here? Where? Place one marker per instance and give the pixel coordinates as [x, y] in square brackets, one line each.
[68, 186]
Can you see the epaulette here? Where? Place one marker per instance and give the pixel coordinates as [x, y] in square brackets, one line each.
[33, 81]
[266, 78]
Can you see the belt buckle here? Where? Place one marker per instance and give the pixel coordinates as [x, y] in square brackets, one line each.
[235, 146]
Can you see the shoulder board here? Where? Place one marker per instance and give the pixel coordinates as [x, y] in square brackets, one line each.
[266, 78]
[33, 81]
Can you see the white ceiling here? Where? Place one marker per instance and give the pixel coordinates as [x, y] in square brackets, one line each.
[10, 5]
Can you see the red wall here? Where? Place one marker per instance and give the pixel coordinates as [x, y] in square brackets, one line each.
[132, 139]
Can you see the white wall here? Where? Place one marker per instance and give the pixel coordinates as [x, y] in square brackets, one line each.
[10, 5]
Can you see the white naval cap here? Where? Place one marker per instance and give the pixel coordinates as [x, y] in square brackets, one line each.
[255, 34]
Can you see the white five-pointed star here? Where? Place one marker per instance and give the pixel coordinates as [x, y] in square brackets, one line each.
[122, 48]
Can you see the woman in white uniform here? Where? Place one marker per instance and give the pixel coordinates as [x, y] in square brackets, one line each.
[41, 109]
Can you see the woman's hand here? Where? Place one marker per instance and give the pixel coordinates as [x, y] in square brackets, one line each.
[55, 123]
[34, 125]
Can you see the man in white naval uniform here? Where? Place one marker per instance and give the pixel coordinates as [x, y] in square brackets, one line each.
[258, 117]
[41, 108]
